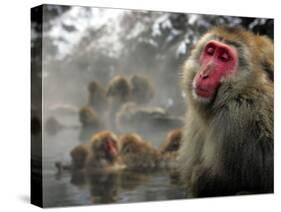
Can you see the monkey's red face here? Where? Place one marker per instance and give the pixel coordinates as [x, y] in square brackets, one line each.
[110, 148]
[217, 60]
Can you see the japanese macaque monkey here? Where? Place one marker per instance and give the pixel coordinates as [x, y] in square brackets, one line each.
[138, 154]
[79, 156]
[97, 97]
[118, 93]
[119, 90]
[228, 138]
[142, 89]
[100, 154]
[88, 118]
[169, 150]
[170, 146]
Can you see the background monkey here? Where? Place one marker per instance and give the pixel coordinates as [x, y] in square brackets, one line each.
[97, 97]
[169, 150]
[100, 154]
[89, 119]
[138, 154]
[170, 146]
[228, 138]
[142, 89]
[79, 155]
[118, 92]
[105, 150]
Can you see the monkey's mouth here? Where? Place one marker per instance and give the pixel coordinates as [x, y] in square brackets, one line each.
[203, 92]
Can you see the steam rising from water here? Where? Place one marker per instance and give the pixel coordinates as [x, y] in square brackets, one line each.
[93, 18]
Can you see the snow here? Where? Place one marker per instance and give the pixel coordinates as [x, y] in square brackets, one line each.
[75, 16]
[161, 22]
[181, 49]
[138, 28]
[192, 19]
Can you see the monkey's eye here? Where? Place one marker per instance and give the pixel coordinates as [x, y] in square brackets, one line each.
[225, 57]
[210, 50]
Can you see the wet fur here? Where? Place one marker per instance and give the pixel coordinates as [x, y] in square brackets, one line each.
[92, 156]
[138, 154]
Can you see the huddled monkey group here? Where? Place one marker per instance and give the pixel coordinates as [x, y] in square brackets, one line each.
[108, 152]
[106, 102]
[224, 145]
[124, 105]
[113, 118]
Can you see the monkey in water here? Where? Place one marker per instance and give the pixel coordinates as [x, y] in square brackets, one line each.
[89, 118]
[228, 137]
[118, 93]
[97, 97]
[170, 146]
[169, 150]
[137, 154]
[101, 154]
[142, 89]
[119, 90]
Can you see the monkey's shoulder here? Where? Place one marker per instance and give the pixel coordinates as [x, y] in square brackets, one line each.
[253, 100]
[252, 113]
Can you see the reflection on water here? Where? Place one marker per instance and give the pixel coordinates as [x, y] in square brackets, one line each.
[80, 188]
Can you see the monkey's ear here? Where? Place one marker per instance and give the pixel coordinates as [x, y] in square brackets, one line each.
[269, 70]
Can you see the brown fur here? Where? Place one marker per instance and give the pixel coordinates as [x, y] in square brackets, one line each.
[79, 156]
[119, 90]
[88, 118]
[142, 89]
[93, 155]
[97, 97]
[138, 154]
[170, 146]
[228, 142]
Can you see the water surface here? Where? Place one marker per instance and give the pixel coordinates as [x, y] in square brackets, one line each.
[70, 189]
